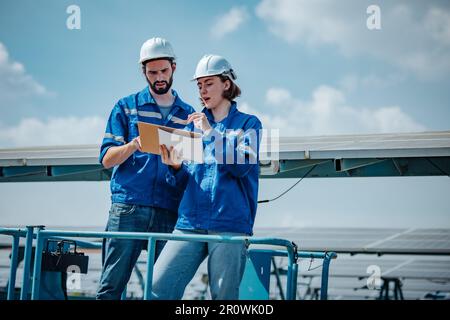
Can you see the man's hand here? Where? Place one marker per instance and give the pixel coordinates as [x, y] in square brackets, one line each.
[200, 121]
[119, 154]
[170, 157]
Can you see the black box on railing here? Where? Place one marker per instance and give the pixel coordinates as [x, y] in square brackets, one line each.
[64, 261]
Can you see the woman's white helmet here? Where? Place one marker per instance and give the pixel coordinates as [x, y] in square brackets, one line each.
[156, 48]
[213, 65]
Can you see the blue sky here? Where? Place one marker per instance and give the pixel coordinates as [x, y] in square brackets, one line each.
[305, 67]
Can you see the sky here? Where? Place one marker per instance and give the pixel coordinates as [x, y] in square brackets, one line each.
[304, 67]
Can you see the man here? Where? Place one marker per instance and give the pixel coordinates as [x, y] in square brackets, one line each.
[142, 200]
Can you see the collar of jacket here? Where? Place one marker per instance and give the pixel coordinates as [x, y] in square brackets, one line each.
[209, 115]
[145, 97]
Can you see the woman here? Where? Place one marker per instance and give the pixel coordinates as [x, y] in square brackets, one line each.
[220, 196]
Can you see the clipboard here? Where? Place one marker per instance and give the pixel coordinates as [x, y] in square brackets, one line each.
[188, 144]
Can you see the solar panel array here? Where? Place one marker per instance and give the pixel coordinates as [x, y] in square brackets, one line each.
[375, 155]
[365, 240]
[406, 144]
[421, 260]
[350, 276]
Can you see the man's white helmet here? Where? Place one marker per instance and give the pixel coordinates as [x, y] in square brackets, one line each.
[212, 65]
[156, 48]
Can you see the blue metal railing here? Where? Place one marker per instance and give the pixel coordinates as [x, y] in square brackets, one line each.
[29, 234]
[16, 234]
[42, 236]
[326, 256]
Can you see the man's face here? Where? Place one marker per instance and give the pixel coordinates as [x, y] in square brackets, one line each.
[159, 74]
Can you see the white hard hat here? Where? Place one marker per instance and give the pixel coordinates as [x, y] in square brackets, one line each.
[212, 65]
[156, 48]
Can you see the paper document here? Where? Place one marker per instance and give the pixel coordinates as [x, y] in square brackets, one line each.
[188, 144]
[188, 148]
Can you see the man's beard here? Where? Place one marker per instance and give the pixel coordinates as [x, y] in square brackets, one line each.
[161, 90]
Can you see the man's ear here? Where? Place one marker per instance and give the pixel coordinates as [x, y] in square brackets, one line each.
[174, 66]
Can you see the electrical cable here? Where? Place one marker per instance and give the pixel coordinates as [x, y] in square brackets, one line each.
[290, 188]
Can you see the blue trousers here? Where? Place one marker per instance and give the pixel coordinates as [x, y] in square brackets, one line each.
[180, 260]
[120, 255]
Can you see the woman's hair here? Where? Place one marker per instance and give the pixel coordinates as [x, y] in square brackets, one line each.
[233, 91]
[230, 94]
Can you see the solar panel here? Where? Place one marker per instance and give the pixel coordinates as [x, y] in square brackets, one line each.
[365, 240]
[385, 143]
[376, 155]
[349, 275]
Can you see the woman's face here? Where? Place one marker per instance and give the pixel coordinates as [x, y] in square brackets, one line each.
[211, 91]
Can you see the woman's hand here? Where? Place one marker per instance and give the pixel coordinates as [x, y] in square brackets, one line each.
[136, 142]
[170, 157]
[200, 121]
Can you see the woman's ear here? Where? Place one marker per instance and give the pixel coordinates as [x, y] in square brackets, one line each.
[227, 84]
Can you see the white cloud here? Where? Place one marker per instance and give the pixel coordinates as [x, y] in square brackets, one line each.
[326, 113]
[278, 96]
[54, 131]
[414, 36]
[229, 22]
[438, 23]
[15, 83]
[353, 82]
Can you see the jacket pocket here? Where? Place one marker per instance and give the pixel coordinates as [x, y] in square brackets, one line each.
[122, 209]
[231, 212]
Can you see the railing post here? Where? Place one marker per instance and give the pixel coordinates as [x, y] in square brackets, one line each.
[325, 273]
[277, 277]
[294, 280]
[292, 272]
[150, 263]
[13, 270]
[289, 276]
[26, 263]
[124, 293]
[37, 265]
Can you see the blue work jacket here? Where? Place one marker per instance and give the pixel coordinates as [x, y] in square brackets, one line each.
[141, 179]
[221, 194]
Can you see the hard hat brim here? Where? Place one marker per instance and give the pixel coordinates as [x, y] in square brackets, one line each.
[157, 58]
[212, 75]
